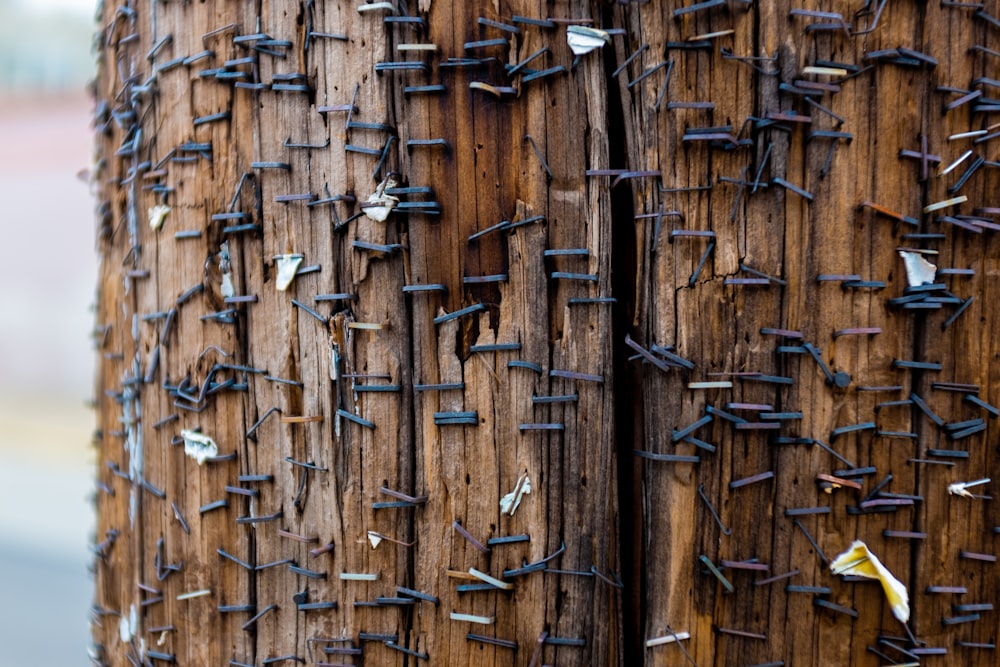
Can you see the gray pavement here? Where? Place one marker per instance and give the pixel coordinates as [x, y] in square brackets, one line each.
[45, 590]
[47, 283]
[48, 279]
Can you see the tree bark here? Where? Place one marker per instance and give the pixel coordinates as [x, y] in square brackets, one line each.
[419, 257]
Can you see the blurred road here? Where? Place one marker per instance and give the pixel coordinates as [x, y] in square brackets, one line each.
[48, 278]
[44, 586]
[48, 274]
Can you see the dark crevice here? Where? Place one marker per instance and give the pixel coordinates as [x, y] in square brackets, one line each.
[627, 379]
[919, 347]
[407, 481]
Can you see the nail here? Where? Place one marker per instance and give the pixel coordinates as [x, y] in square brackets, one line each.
[920, 403]
[990, 409]
[777, 577]
[475, 308]
[503, 643]
[857, 331]
[842, 430]
[152, 489]
[259, 519]
[663, 86]
[478, 280]
[516, 363]
[646, 355]
[452, 386]
[832, 606]
[739, 633]
[753, 479]
[312, 574]
[804, 511]
[616, 582]
[350, 416]
[256, 617]
[812, 542]
[571, 375]
[187, 294]
[402, 65]
[233, 558]
[794, 188]
[419, 143]
[550, 71]
[691, 428]
[717, 573]
[256, 425]
[538, 154]
[509, 539]
[564, 641]
[904, 534]
[457, 525]
[218, 504]
[536, 655]
[410, 652]
[646, 73]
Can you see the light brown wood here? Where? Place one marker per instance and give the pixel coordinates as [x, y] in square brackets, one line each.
[356, 440]
[522, 322]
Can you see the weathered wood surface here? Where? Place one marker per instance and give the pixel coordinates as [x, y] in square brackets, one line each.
[480, 179]
[227, 112]
[886, 107]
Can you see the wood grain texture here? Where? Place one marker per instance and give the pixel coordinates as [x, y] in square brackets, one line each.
[886, 107]
[330, 439]
[569, 253]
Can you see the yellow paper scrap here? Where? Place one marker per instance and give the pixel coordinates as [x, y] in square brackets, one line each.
[859, 560]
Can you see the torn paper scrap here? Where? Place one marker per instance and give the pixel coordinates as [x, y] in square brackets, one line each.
[667, 639]
[582, 40]
[509, 503]
[128, 625]
[227, 270]
[859, 560]
[376, 539]
[288, 265]
[918, 270]
[379, 204]
[962, 488]
[157, 214]
[199, 446]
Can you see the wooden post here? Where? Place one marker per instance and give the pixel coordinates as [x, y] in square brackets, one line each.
[372, 270]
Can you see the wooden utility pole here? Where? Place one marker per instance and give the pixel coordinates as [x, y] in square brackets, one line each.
[527, 333]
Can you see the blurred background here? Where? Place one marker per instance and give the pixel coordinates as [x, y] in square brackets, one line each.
[49, 269]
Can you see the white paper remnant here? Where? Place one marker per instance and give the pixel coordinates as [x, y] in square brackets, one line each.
[667, 639]
[918, 270]
[379, 204]
[374, 538]
[227, 270]
[377, 6]
[199, 446]
[509, 503]
[860, 561]
[962, 488]
[582, 40]
[157, 214]
[288, 265]
[128, 625]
